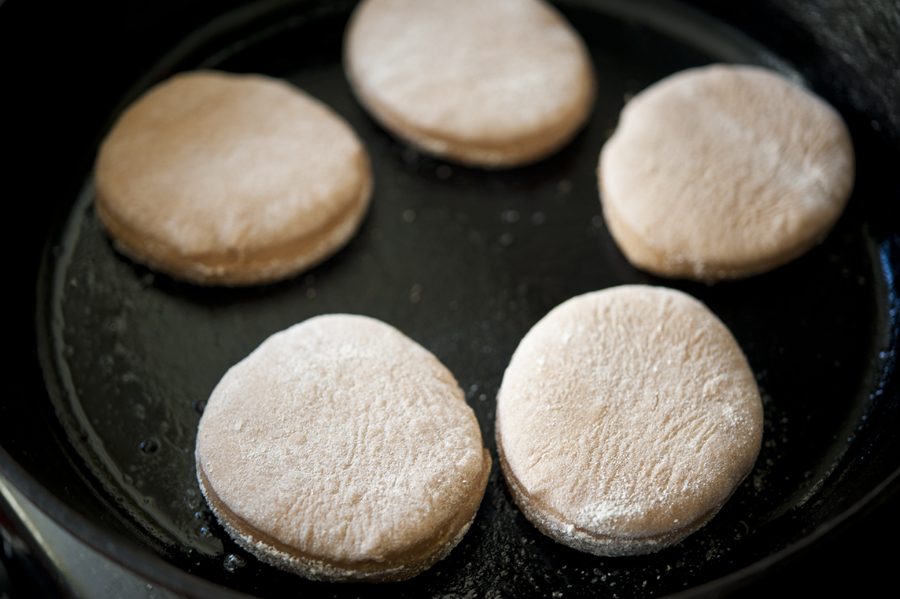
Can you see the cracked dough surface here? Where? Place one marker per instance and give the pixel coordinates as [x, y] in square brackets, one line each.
[724, 172]
[342, 450]
[223, 179]
[489, 83]
[625, 420]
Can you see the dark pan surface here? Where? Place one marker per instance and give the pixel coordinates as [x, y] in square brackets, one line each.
[464, 262]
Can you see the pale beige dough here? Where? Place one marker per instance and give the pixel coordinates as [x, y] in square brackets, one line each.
[724, 172]
[222, 179]
[487, 83]
[342, 450]
[625, 420]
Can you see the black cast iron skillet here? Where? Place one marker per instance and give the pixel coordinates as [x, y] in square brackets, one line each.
[112, 363]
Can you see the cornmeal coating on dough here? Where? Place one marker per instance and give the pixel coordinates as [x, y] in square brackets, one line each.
[222, 179]
[340, 449]
[625, 420]
[486, 83]
[723, 172]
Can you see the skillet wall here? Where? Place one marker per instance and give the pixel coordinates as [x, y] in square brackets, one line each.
[66, 67]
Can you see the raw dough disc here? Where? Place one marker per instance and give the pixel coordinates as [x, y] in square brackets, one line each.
[625, 420]
[222, 179]
[488, 83]
[723, 172]
[342, 450]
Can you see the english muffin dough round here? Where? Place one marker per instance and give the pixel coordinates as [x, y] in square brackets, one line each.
[487, 83]
[222, 179]
[625, 420]
[724, 172]
[340, 449]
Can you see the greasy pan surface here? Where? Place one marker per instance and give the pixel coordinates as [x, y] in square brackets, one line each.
[102, 429]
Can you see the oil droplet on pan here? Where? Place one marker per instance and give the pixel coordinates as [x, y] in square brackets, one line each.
[233, 562]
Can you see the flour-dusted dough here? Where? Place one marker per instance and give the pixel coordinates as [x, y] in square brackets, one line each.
[625, 419]
[487, 83]
[223, 179]
[342, 450]
[723, 172]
